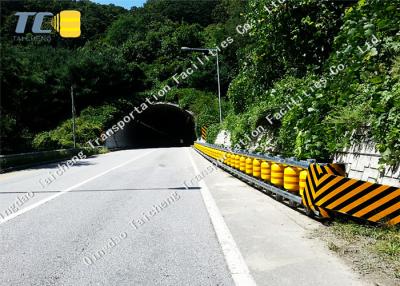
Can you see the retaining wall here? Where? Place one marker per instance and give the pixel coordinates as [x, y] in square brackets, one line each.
[362, 162]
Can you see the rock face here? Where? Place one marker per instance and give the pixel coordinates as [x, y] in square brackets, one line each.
[223, 138]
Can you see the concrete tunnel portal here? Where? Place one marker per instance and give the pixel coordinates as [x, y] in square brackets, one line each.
[160, 125]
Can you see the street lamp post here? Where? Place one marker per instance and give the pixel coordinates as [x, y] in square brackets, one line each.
[219, 84]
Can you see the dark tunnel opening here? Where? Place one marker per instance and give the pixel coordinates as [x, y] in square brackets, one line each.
[160, 125]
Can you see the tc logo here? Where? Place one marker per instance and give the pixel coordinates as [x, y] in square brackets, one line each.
[67, 23]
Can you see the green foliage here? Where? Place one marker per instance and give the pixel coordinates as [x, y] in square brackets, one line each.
[279, 75]
[27, 79]
[100, 72]
[242, 91]
[369, 46]
[183, 11]
[204, 105]
[294, 37]
[121, 29]
[89, 125]
[386, 126]
[239, 126]
[212, 132]
[332, 110]
[118, 58]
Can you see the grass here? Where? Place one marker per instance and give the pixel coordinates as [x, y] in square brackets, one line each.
[371, 248]
[384, 240]
[103, 150]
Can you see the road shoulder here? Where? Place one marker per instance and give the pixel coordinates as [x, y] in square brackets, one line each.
[275, 241]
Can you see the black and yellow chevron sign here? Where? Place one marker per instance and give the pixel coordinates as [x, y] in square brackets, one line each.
[328, 189]
[204, 133]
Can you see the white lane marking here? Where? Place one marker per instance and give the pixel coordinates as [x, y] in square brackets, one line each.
[237, 266]
[39, 203]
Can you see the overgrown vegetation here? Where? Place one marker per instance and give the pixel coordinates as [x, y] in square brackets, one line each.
[90, 123]
[317, 75]
[121, 56]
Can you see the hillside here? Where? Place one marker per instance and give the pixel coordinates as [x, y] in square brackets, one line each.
[317, 76]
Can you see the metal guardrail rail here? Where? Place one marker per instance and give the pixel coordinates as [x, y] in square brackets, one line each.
[13, 162]
[321, 189]
[287, 161]
[294, 200]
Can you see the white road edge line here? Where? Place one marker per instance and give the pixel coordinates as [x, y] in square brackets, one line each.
[236, 263]
[39, 203]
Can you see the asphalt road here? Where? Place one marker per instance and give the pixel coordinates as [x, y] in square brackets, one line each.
[128, 218]
[123, 218]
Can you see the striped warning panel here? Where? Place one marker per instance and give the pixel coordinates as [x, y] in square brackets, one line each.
[204, 133]
[328, 189]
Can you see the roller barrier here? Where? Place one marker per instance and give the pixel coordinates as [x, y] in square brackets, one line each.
[319, 189]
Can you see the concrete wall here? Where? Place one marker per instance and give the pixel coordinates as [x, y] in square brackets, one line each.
[362, 162]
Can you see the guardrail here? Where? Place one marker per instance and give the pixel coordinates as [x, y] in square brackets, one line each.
[24, 160]
[320, 189]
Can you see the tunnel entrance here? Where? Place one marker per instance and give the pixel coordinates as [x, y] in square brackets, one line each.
[160, 125]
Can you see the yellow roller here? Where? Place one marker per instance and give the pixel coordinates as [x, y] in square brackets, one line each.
[256, 168]
[226, 158]
[277, 174]
[237, 162]
[291, 179]
[233, 160]
[302, 181]
[266, 171]
[249, 166]
[243, 164]
[220, 156]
